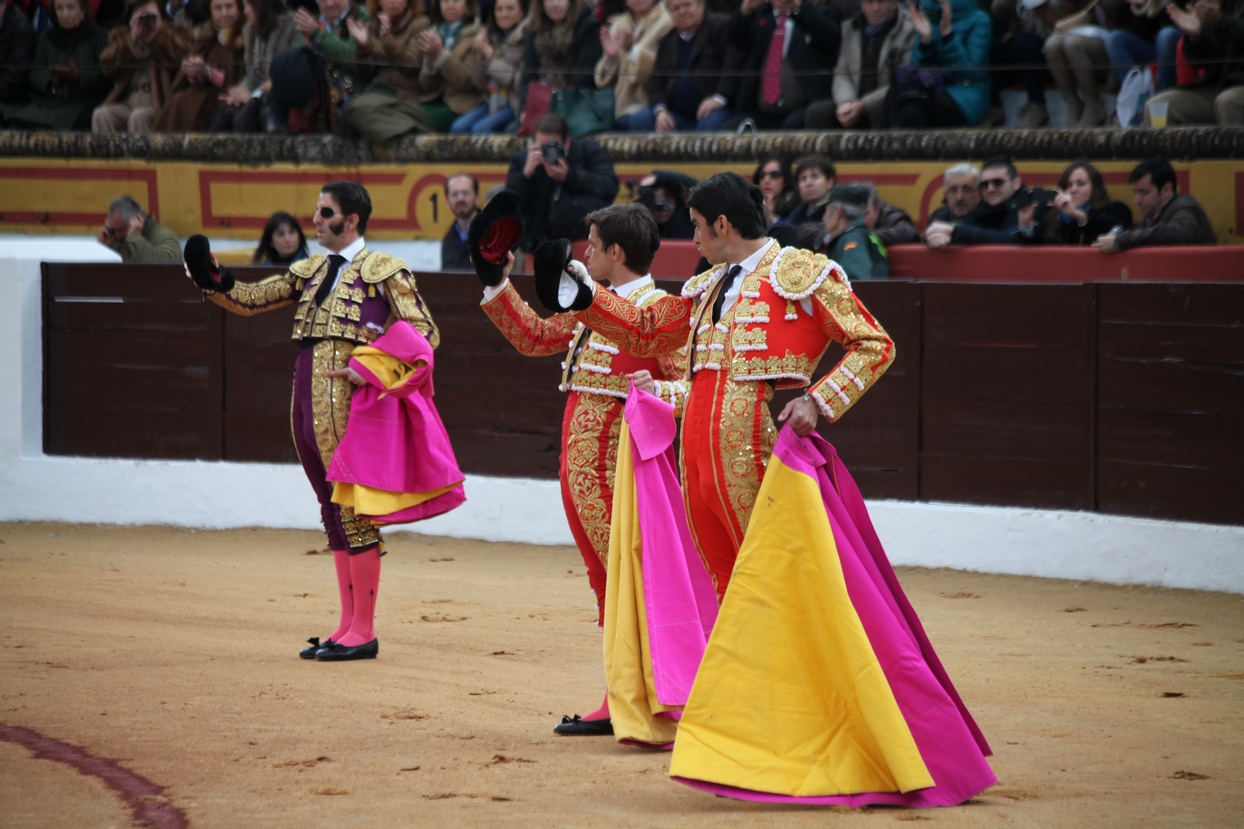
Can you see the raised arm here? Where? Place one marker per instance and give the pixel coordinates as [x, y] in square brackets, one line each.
[531, 335]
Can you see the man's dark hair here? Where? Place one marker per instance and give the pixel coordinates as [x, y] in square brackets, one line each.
[1001, 161]
[732, 196]
[631, 227]
[1159, 171]
[474, 181]
[816, 162]
[553, 124]
[352, 198]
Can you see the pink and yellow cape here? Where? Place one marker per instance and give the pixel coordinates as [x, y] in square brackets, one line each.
[819, 685]
[395, 464]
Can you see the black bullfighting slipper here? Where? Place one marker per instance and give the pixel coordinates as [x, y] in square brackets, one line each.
[314, 642]
[583, 728]
[337, 652]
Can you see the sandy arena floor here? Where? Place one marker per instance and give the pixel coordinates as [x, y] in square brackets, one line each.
[173, 654]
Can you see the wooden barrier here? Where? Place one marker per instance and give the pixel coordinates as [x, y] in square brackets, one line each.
[1115, 397]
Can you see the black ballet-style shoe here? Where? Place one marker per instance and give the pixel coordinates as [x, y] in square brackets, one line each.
[336, 652]
[583, 728]
[316, 647]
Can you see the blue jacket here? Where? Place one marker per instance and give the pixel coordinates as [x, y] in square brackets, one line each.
[967, 47]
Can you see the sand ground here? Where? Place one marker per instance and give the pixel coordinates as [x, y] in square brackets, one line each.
[174, 653]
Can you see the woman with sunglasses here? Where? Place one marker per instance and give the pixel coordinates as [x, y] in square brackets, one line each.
[777, 185]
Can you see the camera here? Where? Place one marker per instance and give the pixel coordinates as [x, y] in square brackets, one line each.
[148, 17]
[646, 195]
[553, 152]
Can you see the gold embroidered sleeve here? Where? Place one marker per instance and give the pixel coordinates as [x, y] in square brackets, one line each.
[405, 303]
[674, 392]
[869, 349]
[250, 298]
[523, 327]
[660, 328]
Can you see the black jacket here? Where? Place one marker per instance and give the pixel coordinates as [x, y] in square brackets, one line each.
[454, 253]
[714, 66]
[998, 224]
[591, 178]
[813, 50]
[1056, 231]
[585, 48]
[17, 49]
[1224, 42]
[1181, 222]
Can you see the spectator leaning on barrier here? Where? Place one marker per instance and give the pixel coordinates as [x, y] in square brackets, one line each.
[874, 44]
[269, 30]
[1215, 35]
[1082, 209]
[1005, 218]
[947, 84]
[141, 58]
[559, 181]
[17, 47]
[283, 242]
[1169, 218]
[789, 51]
[629, 47]
[777, 186]
[214, 64]
[815, 176]
[462, 197]
[664, 193]
[65, 77]
[134, 234]
[694, 78]
[961, 186]
[498, 68]
[847, 239]
[889, 224]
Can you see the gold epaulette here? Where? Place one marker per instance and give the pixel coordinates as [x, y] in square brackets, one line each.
[378, 267]
[797, 273]
[697, 285]
[306, 268]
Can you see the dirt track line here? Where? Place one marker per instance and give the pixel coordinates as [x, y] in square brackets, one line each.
[142, 796]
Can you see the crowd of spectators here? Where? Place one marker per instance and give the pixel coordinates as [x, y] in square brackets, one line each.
[395, 67]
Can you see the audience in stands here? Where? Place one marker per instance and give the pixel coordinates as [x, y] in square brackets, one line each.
[562, 47]
[134, 233]
[498, 68]
[891, 225]
[946, 84]
[693, 77]
[1082, 209]
[214, 65]
[664, 193]
[462, 197]
[874, 44]
[1215, 36]
[282, 243]
[815, 176]
[1005, 217]
[559, 181]
[313, 84]
[847, 239]
[1020, 29]
[777, 186]
[1142, 35]
[1077, 60]
[789, 52]
[65, 78]
[449, 58]
[142, 57]
[961, 188]
[1169, 218]
[394, 99]
[269, 30]
[629, 47]
[17, 48]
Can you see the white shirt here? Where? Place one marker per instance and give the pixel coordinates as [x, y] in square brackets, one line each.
[349, 252]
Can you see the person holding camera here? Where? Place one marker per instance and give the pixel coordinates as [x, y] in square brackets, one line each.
[141, 58]
[559, 181]
[664, 194]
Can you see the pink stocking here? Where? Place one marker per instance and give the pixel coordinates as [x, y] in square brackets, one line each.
[601, 713]
[341, 559]
[365, 575]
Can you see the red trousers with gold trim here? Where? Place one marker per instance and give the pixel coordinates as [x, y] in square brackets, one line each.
[590, 431]
[727, 437]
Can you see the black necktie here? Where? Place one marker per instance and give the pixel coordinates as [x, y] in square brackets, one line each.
[335, 262]
[725, 288]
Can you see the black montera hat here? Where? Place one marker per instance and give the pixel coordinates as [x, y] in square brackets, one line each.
[495, 231]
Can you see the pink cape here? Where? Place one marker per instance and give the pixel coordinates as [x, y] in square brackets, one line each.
[395, 440]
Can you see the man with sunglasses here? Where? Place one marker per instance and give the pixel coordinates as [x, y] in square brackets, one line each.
[1005, 218]
[344, 299]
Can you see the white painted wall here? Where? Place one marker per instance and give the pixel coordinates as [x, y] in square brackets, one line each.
[35, 487]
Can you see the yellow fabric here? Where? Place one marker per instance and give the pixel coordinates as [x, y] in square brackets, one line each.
[391, 371]
[628, 656]
[367, 500]
[790, 698]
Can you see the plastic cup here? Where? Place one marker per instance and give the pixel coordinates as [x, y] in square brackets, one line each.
[1157, 113]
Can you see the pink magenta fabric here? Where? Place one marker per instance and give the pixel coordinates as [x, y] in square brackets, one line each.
[950, 743]
[395, 439]
[679, 597]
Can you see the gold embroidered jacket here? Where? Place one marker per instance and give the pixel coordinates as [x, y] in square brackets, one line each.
[371, 291]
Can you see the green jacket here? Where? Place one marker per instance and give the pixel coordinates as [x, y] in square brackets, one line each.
[857, 253]
[155, 244]
[338, 47]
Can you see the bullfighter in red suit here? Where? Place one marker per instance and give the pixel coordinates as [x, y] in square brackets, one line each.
[595, 377]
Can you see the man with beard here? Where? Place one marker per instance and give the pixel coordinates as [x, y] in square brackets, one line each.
[1005, 218]
[344, 300]
[462, 196]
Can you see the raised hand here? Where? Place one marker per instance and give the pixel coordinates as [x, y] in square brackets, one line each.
[920, 22]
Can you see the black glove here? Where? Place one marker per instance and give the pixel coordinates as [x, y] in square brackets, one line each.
[551, 264]
[203, 269]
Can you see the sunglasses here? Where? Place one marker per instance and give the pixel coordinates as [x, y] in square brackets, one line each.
[772, 174]
[994, 182]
